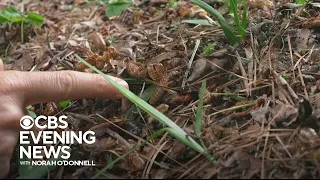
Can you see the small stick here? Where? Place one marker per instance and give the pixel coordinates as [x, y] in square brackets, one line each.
[291, 56]
[190, 63]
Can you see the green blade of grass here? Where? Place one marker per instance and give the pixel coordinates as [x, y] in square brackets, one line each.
[234, 8]
[199, 113]
[177, 133]
[244, 19]
[226, 27]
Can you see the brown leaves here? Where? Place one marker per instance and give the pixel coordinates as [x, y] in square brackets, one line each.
[97, 41]
[200, 66]
[156, 72]
[285, 114]
[260, 3]
[303, 37]
[136, 70]
[242, 162]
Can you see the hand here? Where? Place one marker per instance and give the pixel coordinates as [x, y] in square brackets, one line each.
[20, 89]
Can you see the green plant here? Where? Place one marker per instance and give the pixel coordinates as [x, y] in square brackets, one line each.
[284, 75]
[172, 3]
[115, 7]
[208, 49]
[13, 16]
[64, 104]
[301, 1]
[233, 35]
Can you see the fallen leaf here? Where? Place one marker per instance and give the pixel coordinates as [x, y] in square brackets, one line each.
[260, 3]
[284, 114]
[218, 54]
[176, 149]
[24, 63]
[316, 4]
[200, 66]
[159, 174]
[72, 42]
[260, 115]
[302, 38]
[241, 161]
[90, 24]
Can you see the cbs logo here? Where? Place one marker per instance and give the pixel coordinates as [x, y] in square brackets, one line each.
[27, 122]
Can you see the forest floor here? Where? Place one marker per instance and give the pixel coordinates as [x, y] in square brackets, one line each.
[261, 104]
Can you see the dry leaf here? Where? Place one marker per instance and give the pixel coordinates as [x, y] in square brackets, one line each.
[242, 161]
[260, 115]
[176, 149]
[159, 174]
[91, 24]
[200, 66]
[302, 38]
[260, 3]
[285, 114]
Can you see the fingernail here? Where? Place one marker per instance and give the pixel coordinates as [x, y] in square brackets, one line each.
[122, 83]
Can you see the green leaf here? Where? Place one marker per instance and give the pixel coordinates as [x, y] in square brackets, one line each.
[301, 1]
[12, 15]
[35, 19]
[208, 49]
[115, 9]
[64, 104]
[2, 19]
[203, 22]
[199, 114]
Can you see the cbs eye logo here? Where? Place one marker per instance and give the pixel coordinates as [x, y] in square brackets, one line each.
[26, 122]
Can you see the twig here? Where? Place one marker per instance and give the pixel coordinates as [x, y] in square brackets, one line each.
[303, 84]
[291, 56]
[284, 147]
[232, 108]
[244, 74]
[263, 157]
[158, 29]
[190, 63]
[154, 157]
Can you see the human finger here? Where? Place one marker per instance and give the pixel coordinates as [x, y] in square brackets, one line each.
[37, 87]
[1, 65]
